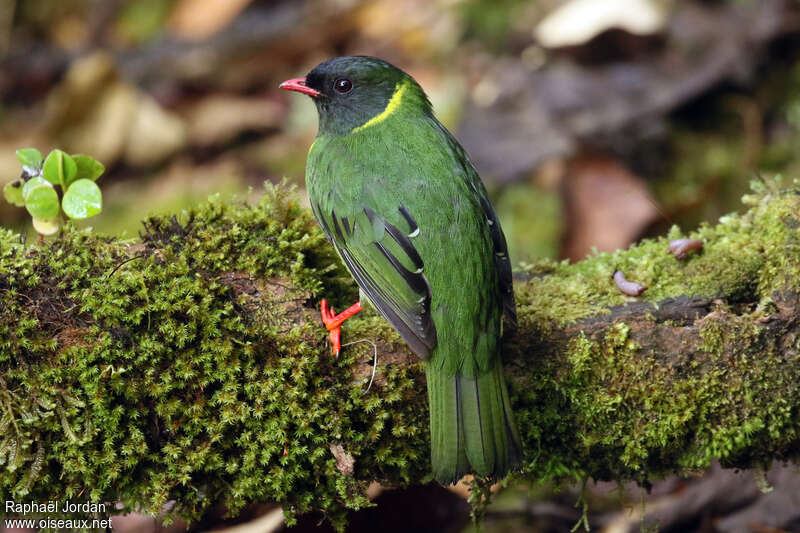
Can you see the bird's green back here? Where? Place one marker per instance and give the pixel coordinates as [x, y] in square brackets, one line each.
[404, 159]
[397, 196]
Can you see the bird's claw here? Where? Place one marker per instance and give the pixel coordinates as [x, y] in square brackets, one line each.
[334, 322]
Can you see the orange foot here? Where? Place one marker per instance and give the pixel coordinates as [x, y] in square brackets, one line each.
[334, 322]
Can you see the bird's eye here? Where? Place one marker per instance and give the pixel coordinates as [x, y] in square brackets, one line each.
[343, 85]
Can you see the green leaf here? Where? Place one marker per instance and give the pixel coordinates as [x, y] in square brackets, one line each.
[30, 157]
[59, 168]
[82, 200]
[34, 182]
[45, 226]
[42, 202]
[88, 168]
[13, 193]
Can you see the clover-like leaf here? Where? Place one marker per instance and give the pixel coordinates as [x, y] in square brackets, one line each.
[45, 226]
[13, 193]
[34, 182]
[30, 157]
[42, 201]
[59, 168]
[82, 200]
[88, 168]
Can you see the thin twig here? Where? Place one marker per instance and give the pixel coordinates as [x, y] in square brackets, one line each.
[124, 262]
[374, 360]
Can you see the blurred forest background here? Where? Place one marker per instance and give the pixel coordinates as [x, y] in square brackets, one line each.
[593, 123]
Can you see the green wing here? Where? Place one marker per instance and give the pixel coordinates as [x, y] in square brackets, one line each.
[382, 258]
[499, 247]
[407, 212]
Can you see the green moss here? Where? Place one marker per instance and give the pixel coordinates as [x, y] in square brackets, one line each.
[192, 366]
[609, 409]
[175, 371]
[742, 256]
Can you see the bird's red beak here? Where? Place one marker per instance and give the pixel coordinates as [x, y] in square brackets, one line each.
[299, 85]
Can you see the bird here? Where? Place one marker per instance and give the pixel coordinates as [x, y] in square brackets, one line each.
[402, 204]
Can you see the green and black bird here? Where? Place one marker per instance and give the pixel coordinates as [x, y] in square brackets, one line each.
[399, 199]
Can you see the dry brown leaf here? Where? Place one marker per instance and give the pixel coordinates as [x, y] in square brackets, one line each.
[607, 206]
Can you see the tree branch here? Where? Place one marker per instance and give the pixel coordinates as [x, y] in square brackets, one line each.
[192, 366]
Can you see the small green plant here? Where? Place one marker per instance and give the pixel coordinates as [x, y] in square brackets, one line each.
[36, 190]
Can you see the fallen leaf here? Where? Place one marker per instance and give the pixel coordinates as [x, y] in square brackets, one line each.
[607, 206]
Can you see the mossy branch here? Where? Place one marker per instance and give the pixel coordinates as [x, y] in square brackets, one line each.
[191, 366]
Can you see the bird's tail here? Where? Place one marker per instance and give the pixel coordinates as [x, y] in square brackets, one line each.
[472, 426]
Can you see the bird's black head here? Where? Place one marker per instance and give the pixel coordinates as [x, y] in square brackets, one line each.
[352, 90]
